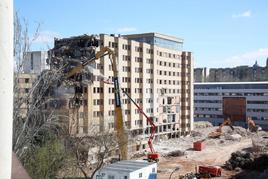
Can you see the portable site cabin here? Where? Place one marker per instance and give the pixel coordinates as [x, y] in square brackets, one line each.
[128, 169]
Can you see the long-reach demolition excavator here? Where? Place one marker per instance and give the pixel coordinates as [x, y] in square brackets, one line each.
[72, 55]
[218, 132]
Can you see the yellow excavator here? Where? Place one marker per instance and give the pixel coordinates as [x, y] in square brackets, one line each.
[252, 127]
[81, 48]
[119, 123]
[216, 134]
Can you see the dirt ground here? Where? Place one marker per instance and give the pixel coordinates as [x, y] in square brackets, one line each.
[211, 155]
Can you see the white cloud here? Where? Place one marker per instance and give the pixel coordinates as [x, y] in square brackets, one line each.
[126, 29]
[247, 58]
[243, 14]
[46, 37]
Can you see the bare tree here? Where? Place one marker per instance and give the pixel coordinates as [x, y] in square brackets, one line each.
[90, 153]
[31, 130]
[30, 123]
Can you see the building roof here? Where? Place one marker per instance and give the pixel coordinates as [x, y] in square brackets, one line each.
[231, 83]
[127, 166]
[155, 34]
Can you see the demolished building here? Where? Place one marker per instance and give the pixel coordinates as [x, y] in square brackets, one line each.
[153, 69]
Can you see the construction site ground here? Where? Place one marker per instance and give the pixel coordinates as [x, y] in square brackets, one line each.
[179, 152]
[211, 155]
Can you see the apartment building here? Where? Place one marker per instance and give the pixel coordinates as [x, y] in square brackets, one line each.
[214, 101]
[155, 72]
[35, 62]
[200, 74]
[235, 74]
[22, 88]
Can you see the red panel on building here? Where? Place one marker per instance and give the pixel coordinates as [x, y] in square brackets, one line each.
[235, 108]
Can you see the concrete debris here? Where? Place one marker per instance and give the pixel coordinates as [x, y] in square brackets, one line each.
[237, 130]
[239, 159]
[176, 153]
[246, 160]
[139, 154]
[196, 134]
[260, 143]
[165, 170]
[233, 137]
[202, 124]
[165, 147]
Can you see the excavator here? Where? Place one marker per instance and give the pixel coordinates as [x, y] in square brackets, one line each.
[218, 132]
[252, 127]
[81, 48]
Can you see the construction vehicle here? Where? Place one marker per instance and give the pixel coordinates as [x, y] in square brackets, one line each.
[72, 55]
[152, 155]
[210, 171]
[218, 132]
[252, 127]
[203, 172]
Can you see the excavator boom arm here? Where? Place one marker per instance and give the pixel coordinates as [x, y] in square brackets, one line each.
[153, 127]
[119, 123]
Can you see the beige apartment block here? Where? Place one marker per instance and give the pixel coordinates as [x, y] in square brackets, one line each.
[155, 72]
[23, 85]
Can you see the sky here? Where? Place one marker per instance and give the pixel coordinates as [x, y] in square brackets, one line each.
[219, 33]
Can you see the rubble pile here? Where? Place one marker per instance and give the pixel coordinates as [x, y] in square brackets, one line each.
[233, 137]
[166, 147]
[202, 124]
[138, 154]
[239, 159]
[176, 153]
[246, 160]
[260, 144]
[237, 130]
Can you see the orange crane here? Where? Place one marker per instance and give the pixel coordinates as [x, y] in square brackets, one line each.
[153, 155]
[218, 132]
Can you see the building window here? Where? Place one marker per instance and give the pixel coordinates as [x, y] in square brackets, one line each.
[138, 49]
[111, 177]
[81, 115]
[153, 170]
[140, 175]
[169, 100]
[31, 61]
[125, 177]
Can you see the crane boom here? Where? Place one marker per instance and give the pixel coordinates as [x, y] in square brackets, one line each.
[153, 155]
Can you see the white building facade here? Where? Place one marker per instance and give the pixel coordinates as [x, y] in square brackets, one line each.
[35, 62]
[209, 101]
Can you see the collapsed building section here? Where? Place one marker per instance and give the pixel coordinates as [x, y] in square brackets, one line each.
[68, 57]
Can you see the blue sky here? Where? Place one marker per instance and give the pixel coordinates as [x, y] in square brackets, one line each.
[219, 33]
